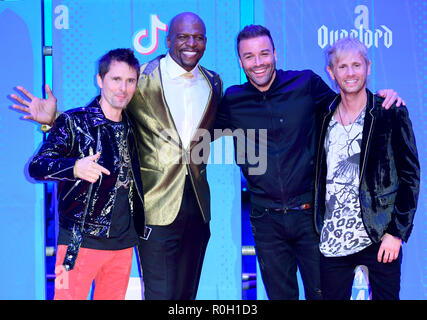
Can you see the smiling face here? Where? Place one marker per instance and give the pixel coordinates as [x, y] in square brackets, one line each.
[258, 59]
[187, 40]
[350, 71]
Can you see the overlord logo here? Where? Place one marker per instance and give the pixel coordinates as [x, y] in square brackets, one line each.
[156, 25]
[361, 31]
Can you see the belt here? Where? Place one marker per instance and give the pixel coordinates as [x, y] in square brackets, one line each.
[304, 206]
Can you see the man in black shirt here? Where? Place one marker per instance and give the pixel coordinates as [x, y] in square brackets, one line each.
[287, 104]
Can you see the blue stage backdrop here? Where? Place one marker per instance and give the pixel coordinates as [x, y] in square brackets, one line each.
[82, 31]
[22, 249]
[394, 32]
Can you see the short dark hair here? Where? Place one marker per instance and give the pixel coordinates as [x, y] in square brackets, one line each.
[120, 55]
[253, 31]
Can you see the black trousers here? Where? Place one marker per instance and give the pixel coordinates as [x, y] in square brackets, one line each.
[286, 242]
[337, 275]
[172, 257]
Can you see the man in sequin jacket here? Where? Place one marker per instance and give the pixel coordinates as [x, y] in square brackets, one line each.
[91, 151]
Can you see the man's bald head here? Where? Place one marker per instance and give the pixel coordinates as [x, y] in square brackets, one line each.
[188, 17]
[186, 39]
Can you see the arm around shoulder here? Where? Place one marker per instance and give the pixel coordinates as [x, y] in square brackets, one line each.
[408, 171]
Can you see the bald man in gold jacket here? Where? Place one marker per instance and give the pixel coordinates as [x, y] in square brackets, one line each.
[176, 191]
[164, 177]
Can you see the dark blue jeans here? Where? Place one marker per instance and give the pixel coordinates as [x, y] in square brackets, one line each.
[338, 275]
[285, 242]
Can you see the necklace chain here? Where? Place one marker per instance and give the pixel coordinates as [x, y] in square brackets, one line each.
[352, 123]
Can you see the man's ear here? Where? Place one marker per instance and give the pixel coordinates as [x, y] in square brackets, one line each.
[99, 81]
[331, 74]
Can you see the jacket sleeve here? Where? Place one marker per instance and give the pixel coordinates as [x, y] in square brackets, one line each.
[221, 119]
[408, 172]
[322, 94]
[54, 161]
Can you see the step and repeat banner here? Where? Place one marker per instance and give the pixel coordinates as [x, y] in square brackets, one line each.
[82, 31]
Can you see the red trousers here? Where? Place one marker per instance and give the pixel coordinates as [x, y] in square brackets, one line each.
[109, 268]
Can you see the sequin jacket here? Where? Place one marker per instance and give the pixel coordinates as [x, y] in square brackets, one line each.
[389, 171]
[83, 206]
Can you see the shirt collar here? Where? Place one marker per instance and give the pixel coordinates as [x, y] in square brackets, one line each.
[174, 70]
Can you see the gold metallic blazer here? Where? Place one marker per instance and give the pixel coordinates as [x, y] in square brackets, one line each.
[164, 162]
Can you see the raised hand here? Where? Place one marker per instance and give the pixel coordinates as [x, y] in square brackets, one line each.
[87, 169]
[42, 111]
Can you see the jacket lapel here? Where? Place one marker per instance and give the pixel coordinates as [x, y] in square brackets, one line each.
[325, 123]
[152, 91]
[368, 127]
[210, 109]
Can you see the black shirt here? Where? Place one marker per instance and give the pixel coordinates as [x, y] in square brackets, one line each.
[122, 233]
[289, 111]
